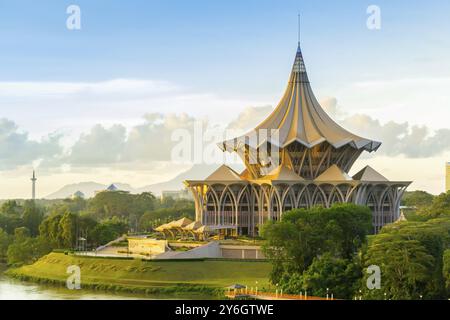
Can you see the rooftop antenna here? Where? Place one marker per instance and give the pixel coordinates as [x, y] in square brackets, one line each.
[299, 29]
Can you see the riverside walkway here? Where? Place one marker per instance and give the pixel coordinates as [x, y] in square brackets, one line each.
[258, 295]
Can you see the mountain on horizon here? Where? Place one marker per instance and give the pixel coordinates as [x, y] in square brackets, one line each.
[196, 172]
[88, 188]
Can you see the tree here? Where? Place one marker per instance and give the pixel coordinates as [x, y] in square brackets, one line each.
[107, 231]
[11, 208]
[32, 217]
[5, 241]
[9, 223]
[440, 205]
[302, 235]
[68, 229]
[340, 276]
[406, 267]
[446, 271]
[418, 199]
[27, 250]
[51, 230]
[21, 234]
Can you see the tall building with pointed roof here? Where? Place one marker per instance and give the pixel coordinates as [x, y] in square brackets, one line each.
[298, 157]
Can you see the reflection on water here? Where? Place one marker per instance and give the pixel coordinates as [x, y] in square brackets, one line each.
[11, 289]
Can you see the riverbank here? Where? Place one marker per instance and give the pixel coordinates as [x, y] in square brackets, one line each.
[146, 277]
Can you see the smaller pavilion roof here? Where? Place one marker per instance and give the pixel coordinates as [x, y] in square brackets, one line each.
[224, 173]
[369, 174]
[162, 227]
[193, 226]
[181, 223]
[203, 229]
[283, 173]
[334, 173]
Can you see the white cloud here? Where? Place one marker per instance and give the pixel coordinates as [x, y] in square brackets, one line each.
[17, 149]
[249, 118]
[75, 107]
[418, 101]
[101, 128]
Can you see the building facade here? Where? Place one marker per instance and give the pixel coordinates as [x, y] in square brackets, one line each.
[298, 157]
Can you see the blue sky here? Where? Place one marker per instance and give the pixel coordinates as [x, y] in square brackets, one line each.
[220, 61]
[244, 43]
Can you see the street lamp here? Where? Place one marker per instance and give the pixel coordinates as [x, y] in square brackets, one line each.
[277, 290]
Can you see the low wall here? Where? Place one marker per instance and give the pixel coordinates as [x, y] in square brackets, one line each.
[147, 246]
[241, 252]
[159, 249]
[210, 250]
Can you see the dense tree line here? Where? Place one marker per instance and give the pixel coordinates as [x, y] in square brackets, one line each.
[28, 231]
[331, 248]
[413, 255]
[315, 249]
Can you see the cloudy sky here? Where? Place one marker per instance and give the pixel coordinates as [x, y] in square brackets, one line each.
[101, 103]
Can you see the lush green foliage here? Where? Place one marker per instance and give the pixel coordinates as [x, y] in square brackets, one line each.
[340, 276]
[312, 250]
[25, 249]
[170, 210]
[28, 230]
[113, 273]
[410, 256]
[5, 240]
[120, 204]
[446, 271]
[418, 199]
[302, 237]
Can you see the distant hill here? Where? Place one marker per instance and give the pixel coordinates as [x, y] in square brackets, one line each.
[88, 188]
[197, 172]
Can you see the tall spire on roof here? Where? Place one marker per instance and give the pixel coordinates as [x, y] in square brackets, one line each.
[299, 124]
[298, 74]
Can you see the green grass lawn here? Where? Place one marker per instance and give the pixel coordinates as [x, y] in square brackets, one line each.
[141, 273]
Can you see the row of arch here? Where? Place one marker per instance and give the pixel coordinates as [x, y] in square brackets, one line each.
[246, 206]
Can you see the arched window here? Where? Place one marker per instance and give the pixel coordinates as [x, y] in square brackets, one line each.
[304, 200]
[288, 203]
[319, 199]
[275, 209]
[227, 213]
[244, 213]
[371, 202]
[386, 209]
[372, 205]
[210, 216]
[335, 197]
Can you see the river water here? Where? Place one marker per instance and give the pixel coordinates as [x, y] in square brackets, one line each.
[11, 289]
